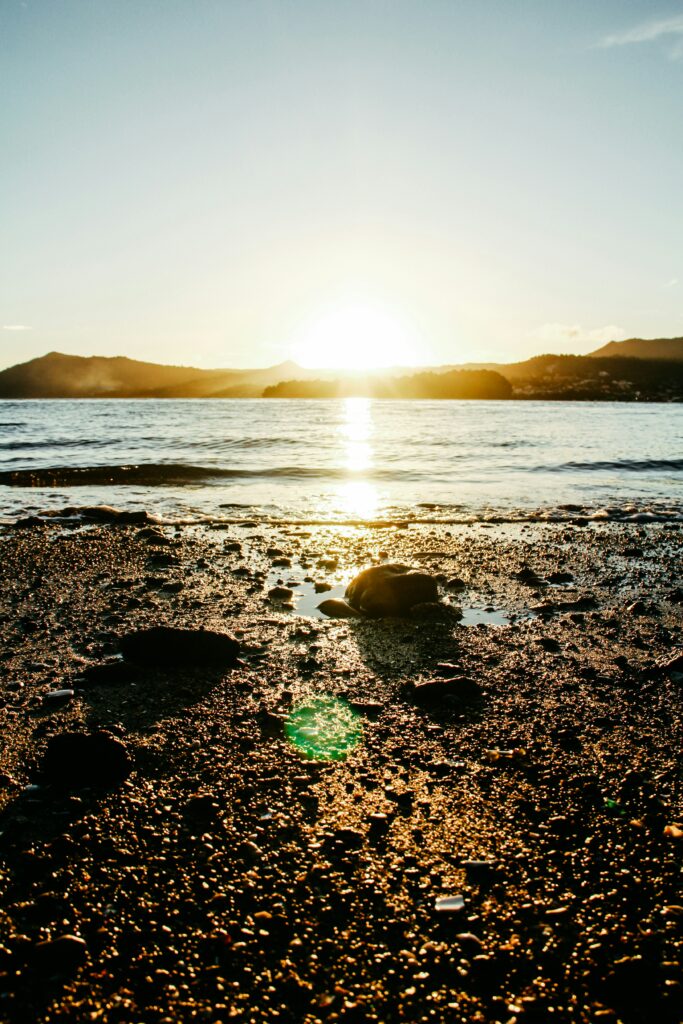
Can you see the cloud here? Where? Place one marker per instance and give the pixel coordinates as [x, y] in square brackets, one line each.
[15, 327]
[670, 30]
[575, 336]
[672, 283]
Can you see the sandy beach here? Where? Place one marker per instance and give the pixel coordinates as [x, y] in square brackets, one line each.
[193, 861]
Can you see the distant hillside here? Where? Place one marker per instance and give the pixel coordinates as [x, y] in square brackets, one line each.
[620, 377]
[670, 349]
[451, 384]
[593, 377]
[61, 376]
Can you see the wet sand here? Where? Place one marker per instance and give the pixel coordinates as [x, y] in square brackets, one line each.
[231, 877]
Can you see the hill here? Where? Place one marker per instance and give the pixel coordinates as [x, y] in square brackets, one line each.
[669, 349]
[451, 384]
[579, 378]
[622, 376]
[56, 375]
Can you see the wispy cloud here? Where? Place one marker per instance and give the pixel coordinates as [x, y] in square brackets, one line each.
[672, 283]
[667, 30]
[15, 327]
[576, 336]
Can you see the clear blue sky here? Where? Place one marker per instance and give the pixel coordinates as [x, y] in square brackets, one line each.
[209, 181]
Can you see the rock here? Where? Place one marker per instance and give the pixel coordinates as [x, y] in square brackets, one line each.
[434, 690]
[455, 584]
[108, 514]
[336, 608]
[57, 698]
[449, 905]
[527, 575]
[672, 663]
[79, 759]
[560, 577]
[280, 594]
[62, 955]
[171, 647]
[479, 870]
[435, 611]
[391, 589]
[320, 586]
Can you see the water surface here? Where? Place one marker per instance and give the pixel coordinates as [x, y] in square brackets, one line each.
[351, 458]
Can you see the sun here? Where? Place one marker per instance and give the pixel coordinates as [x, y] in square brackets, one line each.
[355, 337]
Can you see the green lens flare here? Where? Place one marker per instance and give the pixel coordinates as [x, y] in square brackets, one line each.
[324, 728]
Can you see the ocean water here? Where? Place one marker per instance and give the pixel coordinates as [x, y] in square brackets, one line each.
[339, 460]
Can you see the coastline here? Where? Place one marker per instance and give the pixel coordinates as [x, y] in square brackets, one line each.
[229, 877]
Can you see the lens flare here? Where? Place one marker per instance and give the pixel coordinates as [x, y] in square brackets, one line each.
[324, 728]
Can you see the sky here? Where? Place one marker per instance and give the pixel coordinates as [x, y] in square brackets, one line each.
[237, 182]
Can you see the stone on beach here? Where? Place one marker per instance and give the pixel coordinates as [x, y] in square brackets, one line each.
[337, 608]
[77, 759]
[391, 590]
[171, 646]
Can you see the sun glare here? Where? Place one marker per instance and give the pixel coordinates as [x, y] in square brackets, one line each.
[355, 337]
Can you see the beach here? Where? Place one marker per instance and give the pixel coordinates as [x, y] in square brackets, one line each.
[203, 860]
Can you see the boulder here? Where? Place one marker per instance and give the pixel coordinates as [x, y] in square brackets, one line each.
[391, 589]
[78, 759]
[171, 647]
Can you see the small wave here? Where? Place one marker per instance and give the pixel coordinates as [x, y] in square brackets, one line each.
[69, 442]
[168, 474]
[619, 465]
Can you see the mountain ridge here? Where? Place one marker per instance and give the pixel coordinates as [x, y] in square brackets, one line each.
[653, 364]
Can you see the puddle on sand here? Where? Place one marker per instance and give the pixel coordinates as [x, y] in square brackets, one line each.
[306, 600]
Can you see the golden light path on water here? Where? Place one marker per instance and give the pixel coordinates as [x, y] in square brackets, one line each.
[357, 497]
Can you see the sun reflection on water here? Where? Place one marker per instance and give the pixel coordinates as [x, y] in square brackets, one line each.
[357, 496]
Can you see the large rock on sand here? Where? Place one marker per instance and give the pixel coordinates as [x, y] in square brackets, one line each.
[76, 759]
[390, 589]
[171, 647]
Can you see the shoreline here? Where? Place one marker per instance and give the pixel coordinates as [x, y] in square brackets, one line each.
[229, 877]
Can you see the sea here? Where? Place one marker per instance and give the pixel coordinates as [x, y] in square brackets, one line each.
[342, 461]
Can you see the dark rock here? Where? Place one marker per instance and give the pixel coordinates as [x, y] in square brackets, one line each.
[560, 577]
[170, 647]
[58, 698]
[549, 644]
[79, 759]
[434, 690]
[391, 590]
[435, 611]
[455, 584]
[280, 594]
[527, 575]
[62, 955]
[673, 663]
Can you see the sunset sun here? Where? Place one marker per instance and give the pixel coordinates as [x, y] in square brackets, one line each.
[356, 337]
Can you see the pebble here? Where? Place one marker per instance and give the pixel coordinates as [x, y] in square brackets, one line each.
[449, 904]
[280, 594]
[58, 697]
